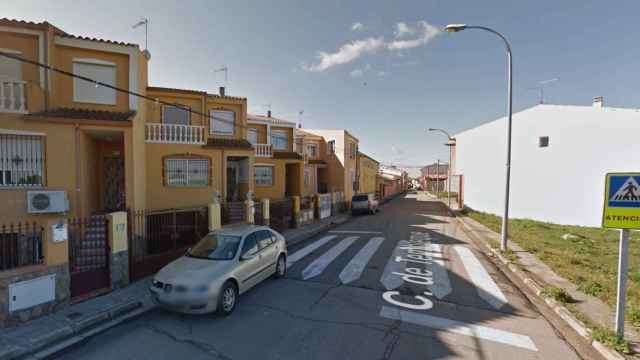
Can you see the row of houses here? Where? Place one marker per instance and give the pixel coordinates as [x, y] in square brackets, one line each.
[87, 161]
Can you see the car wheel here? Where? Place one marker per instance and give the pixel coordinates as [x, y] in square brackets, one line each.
[228, 299]
[281, 267]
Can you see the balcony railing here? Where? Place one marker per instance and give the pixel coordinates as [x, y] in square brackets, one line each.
[174, 134]
[263, 150]
[12, 97]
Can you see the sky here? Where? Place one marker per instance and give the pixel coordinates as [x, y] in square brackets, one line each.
[380, 69]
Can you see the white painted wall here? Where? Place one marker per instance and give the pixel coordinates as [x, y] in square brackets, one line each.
[562, 183]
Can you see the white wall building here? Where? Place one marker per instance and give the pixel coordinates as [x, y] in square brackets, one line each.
[562, 182]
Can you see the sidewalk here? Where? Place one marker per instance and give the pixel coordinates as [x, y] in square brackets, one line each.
[43, 337]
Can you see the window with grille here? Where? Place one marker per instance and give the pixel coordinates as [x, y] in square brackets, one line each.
[279, 140]
[263, 175]
[175, 115]
[21, 160]
[181, 172]
[222, 122]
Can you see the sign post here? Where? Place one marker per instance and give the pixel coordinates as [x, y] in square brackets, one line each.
[622, 211]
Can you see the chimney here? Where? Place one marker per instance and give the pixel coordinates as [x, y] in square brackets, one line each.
[598, 102]
[269, 113]
[222, 91]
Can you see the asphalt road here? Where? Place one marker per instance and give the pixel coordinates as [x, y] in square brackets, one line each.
[403, 284]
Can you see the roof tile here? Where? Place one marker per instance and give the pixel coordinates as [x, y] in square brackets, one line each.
[85, 114]
[228, 143]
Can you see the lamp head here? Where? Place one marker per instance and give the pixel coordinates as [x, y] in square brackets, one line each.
[452, 28]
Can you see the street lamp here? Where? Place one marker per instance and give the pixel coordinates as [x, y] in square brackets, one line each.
[450, 143]
[452, 28]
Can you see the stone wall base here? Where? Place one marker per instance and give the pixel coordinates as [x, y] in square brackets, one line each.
[62, 293]
[119, 268]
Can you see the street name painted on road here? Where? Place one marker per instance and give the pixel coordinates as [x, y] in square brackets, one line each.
[622, 201]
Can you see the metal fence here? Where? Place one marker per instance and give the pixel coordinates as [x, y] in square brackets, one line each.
[88, 254]
[156, 237]
[20, 245]
[281, 214]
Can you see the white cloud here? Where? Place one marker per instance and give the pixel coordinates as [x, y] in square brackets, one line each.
[357, 26]
[355, 49]
[402, 29]
[381, 73]
[426, 33]
[346, 54]
[356, 73]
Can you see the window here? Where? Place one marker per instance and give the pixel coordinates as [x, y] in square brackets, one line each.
[263, 175]
[252, 136]
[265, 238]
[87, 92]
[353, 150]
[186, 172]
[331, 147]
[222, 122]
[543, 141]
[175, 115]
[250, 245]
[21, 160]
[312, 150]
[279, 140]
[10, 68]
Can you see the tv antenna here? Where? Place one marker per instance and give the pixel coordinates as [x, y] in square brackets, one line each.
[224, 69]
[144, 21]
[541, 85]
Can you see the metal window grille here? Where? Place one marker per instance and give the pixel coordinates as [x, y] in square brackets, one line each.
[263, 175]
[312, 150]
[186, 172]
[20, 245]
[21, 160]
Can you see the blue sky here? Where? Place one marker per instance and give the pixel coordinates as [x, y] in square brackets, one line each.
[384, 95]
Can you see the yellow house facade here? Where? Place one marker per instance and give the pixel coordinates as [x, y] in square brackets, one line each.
[368, 171]
[334, 168]
[278, 169]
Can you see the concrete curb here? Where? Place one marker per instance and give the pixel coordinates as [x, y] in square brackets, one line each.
[292, 241]
[77, 331]
[578, 326]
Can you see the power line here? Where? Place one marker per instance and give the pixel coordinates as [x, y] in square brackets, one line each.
[156, 101]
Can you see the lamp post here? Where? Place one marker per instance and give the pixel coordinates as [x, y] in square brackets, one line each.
[452, 28]
[450, 143]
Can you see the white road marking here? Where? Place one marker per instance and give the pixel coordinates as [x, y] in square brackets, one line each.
[320, 264]
[354, 232]
[458, 327]
[308, 249]
[388, 279]
[486, 287]
[441, 285]
[356, 266]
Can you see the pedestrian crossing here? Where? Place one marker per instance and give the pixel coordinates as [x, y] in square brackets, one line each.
[433, 258]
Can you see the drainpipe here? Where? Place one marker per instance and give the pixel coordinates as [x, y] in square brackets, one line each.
[78, 172]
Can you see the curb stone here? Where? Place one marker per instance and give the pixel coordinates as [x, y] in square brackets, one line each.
[564, 313]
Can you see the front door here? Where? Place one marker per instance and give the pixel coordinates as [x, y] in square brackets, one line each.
[114, 193]
[232, 184]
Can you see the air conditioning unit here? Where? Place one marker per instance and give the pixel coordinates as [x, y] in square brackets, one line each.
[43, 202]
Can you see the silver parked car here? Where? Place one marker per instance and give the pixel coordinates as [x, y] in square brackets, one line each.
[222, 265]
[364, 203]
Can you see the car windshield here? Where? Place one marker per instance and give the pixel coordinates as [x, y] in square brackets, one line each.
[216, 247]
[360, 198]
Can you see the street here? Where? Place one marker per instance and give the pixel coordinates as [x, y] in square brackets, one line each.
[405, 283]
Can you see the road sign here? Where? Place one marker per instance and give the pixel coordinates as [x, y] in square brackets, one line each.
[622, 201]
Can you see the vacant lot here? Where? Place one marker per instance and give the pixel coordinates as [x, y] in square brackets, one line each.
[589, 258]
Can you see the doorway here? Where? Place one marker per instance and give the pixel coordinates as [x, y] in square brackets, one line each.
[114, 192]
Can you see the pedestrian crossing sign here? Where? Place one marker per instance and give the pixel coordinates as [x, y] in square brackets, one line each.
[622, 201]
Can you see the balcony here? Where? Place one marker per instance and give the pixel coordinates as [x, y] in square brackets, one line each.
[263, 150]
[157, 133]
[12, 97]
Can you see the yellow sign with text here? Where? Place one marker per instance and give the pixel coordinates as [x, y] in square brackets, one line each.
[622, 201]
